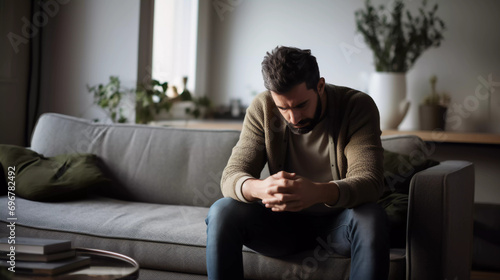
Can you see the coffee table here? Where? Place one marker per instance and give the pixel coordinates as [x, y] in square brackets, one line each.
[104, 265]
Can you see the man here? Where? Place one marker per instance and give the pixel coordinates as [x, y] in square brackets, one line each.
[322, 145]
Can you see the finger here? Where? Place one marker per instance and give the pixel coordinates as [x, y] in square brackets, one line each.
[275, 207]
[278, 189]
[281, 186]
[272, 204]
[293, 206]
[278, 208]
[287, 175]
[284, 175]
[280, 199]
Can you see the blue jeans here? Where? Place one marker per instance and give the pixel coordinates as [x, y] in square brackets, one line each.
[360, 233]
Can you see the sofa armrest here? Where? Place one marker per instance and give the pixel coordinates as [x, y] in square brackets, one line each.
[440, 222]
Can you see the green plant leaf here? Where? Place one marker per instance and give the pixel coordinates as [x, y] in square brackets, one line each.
[164, 86]
[397, 43]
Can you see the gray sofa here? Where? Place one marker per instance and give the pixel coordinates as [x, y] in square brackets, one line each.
[167, 178]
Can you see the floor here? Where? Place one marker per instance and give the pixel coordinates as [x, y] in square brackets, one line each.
[481, 275]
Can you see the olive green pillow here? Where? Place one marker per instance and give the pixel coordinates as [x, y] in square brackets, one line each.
[63, 177]
[399, 169]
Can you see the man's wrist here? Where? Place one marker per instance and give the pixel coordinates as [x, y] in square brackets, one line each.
[238, 188]
[247, 189]
[330, 193]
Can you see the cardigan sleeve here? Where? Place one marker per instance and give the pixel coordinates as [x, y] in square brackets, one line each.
[248, 157]
[362, 150]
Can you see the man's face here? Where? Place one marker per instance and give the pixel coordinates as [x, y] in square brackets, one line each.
[299, 107]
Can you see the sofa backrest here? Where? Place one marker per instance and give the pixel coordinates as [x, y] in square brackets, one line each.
[150, 164]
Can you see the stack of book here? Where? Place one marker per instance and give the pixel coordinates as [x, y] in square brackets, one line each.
[40, 256]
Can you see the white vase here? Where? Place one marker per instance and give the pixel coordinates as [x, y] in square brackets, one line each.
[388, 90]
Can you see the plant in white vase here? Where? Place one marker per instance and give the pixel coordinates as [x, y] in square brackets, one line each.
[397, 42]
[432, 111]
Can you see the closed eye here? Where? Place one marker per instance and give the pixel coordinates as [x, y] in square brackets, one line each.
[300, 106]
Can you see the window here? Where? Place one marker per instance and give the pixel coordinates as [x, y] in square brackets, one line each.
[174, 41]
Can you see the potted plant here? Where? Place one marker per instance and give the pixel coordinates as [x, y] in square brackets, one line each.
[154, 98]
[185, 104]
[151, 100]
[201, 106]
[110, 98]
[432, 113]
[397, 42]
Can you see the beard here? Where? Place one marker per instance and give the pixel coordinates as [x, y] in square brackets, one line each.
[307, 124]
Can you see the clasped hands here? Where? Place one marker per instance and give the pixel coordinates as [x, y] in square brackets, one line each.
[285, 191]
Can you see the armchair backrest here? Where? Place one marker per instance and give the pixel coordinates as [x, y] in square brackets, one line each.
[408, 144]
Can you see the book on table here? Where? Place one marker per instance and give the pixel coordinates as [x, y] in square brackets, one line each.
[50, 268]
[35, 245]
[38, 257]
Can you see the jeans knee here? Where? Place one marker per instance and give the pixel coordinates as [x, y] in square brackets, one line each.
[220, 210]
[371, 212]
[227, 211]
[371, 217]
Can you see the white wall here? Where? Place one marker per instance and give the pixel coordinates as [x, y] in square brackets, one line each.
[88, 41]
[243, 33]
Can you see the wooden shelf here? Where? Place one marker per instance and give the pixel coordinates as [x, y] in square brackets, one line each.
[430, 136]
[449, 137]
[202, 124]
[483, 275]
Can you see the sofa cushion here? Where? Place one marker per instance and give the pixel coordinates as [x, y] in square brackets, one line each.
[101, 216]
[62, 177]
[162, 237]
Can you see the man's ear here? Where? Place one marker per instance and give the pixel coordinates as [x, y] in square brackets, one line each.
[321, 85]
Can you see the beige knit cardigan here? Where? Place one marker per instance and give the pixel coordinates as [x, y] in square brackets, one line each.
[354, 133]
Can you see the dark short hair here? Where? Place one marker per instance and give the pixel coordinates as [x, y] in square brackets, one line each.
[286, 67]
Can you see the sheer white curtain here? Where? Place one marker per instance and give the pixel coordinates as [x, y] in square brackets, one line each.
[174, 41]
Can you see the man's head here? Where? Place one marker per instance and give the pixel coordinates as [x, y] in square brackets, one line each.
[286, 67]
[292, 77]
